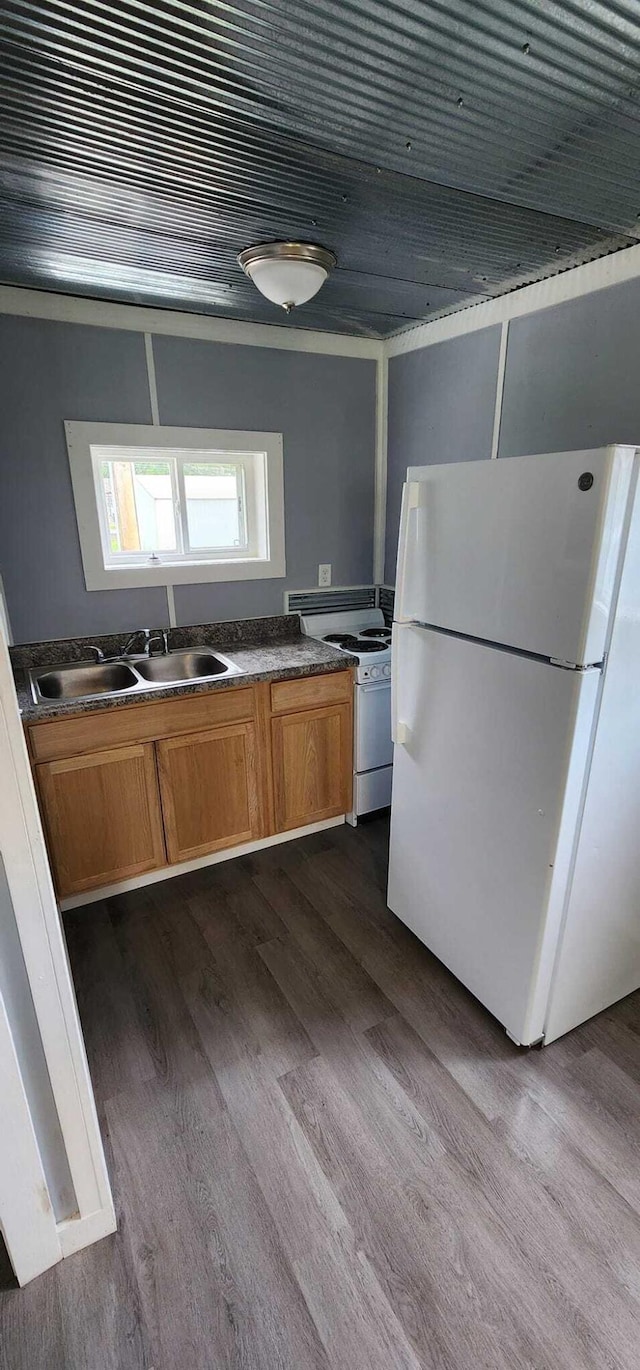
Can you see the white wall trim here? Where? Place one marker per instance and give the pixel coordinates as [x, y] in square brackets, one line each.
[497, 415]
[155, 419]
[615, 269]
[380, 478]
[5, 625]
[171, 607]
[76, 1233]
[151, 377]
[43, 304]
[45, 958]
[75, 901]
[263, 459]
[26, 1217]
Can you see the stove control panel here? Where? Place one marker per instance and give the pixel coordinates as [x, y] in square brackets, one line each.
[375, 672]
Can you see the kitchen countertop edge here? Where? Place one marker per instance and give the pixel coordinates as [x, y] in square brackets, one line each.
[270, 660]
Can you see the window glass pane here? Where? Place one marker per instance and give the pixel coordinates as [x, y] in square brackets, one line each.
[214, 505]
[139, 506]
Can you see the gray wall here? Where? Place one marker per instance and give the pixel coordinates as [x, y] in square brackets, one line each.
[572, 377]
[324, 406]
[441, 408]
[325, 409]
[571, 380]
[50, 372]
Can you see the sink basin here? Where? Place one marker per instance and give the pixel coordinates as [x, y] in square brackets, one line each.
[84, 680]
[177, 667]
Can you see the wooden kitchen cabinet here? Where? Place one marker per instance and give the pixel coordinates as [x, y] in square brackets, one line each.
[210, 790]
[90, 732]
[312, 765]
[102, 816]
[134, 789]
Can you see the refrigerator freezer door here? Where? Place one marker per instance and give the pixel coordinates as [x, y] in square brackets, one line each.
[487, 789]
[523, 551]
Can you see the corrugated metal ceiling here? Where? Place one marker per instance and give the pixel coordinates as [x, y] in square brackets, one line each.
[445, 151]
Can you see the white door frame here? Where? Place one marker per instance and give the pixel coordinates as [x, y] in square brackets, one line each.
[45, 956]
[27, 1222]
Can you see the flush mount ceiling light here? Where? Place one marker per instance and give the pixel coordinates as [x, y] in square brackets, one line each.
[288, 274]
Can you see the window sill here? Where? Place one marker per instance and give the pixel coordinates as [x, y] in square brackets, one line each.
[192, 573]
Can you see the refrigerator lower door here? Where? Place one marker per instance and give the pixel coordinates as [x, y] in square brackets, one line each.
[599, 956]
[490, 765]
[524, 551]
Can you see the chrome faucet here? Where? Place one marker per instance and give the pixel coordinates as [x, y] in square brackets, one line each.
[146, 634]
[148, 642]
[163, 638]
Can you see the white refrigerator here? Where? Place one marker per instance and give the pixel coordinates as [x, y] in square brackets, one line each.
[515, 820]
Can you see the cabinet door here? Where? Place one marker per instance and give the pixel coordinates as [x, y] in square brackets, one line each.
[312, 765]
[209, 788]
[102, 816]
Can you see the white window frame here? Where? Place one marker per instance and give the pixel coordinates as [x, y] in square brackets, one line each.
[262, 464]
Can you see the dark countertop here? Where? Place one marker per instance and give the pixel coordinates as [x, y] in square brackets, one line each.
[263, 649]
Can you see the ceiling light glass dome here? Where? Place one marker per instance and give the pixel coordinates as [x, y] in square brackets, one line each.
[288, 274]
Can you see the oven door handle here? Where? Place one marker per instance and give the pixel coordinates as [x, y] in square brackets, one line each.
[371, 685]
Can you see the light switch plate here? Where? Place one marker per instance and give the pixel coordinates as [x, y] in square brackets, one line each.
[324, 573]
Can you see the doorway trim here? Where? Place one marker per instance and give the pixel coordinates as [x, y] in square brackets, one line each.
[45, 956]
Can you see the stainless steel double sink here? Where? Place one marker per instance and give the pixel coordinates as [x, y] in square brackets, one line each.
[82, 680]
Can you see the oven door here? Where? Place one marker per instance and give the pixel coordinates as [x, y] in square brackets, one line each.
[373, 725]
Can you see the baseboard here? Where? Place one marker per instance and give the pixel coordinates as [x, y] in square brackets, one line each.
[75, 901]
[76, 1233]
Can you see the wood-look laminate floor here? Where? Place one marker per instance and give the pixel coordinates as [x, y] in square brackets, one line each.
[325, 1153]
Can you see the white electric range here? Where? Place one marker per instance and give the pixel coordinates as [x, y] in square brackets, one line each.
[362, 633]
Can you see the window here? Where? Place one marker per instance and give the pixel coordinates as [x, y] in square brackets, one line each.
[169, 508]
[166, 506]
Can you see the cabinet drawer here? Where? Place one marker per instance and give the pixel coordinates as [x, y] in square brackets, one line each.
[63, 737]
[311, 692]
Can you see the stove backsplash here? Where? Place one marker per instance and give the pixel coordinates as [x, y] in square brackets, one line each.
[333, 601]
[386, 597]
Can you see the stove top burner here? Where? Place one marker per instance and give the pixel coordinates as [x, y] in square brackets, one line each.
[384, 634]
[350, 643]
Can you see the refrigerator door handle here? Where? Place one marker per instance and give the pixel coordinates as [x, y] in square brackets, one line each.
[399, 730]
[412, 494]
